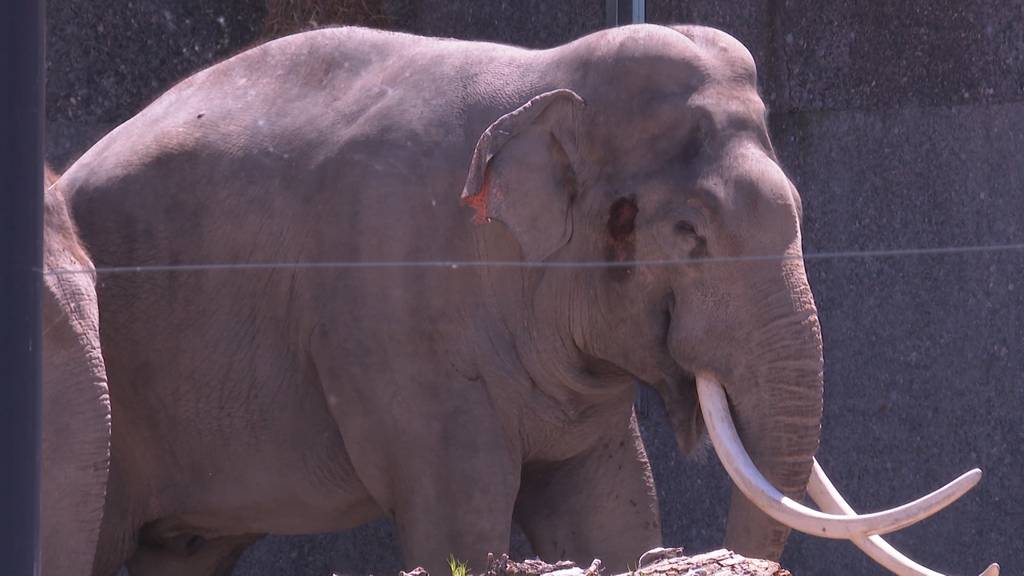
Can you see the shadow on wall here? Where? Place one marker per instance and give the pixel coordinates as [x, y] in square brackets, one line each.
[105, 65]
[288, 16]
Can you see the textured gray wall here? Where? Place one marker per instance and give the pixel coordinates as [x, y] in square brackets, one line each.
[901, 122]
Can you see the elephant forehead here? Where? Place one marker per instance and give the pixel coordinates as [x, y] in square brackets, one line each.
[668, 71]
[708, 48]
[725, 58]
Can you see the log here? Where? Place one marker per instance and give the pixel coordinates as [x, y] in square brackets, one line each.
[718, 563]
[657, 562]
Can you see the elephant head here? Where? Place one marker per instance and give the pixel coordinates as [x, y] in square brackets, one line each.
[665, 242]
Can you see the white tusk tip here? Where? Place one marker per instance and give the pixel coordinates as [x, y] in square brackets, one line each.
[992, 570]
[970, 478]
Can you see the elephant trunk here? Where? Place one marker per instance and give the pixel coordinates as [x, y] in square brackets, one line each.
[777, 413]
[781, 437]
[765, 425]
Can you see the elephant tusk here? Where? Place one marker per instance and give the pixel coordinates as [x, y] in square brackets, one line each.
[822, 491]
[715, 408]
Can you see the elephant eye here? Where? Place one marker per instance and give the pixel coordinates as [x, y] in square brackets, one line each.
[685, 228]
[697, 245]
[694, 143]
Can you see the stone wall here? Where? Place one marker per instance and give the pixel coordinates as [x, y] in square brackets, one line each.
[902, 123]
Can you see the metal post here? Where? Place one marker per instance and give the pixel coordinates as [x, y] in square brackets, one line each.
[639, 9]
[21, 168]
[619, 12]
[611, 13]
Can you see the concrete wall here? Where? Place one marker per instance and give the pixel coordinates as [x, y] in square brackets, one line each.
[107, 59]
[902, 123]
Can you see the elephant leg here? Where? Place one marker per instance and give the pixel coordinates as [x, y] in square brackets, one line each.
[449, 484]
[430, 449]
[600, 504]
[189, 555]
[454, 494]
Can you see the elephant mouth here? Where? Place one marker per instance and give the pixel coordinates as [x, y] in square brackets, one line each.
[837, 519]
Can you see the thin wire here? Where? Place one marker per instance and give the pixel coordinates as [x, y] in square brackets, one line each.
[456, 264]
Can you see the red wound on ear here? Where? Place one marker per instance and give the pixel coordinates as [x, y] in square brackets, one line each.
[478, 202]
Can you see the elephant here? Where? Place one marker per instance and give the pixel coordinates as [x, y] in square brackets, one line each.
[351, 274]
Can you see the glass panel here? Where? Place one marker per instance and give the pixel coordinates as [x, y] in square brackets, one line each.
[375, 293]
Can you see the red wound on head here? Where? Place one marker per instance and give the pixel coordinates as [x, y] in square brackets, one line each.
[621, 243]
[622, 219]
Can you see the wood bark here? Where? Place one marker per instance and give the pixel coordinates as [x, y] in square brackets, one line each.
[659, 562]
[718, 563]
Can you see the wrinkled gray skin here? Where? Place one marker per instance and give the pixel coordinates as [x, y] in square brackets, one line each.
[291, 400]
[76, 406]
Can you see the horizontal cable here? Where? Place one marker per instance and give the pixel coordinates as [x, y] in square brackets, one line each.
[456, 264]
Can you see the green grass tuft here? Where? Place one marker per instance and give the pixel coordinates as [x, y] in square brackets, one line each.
[457, 568]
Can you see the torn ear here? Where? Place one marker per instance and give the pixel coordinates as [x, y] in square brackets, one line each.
[523, 172]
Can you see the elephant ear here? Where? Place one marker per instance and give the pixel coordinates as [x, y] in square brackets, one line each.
[523, 172]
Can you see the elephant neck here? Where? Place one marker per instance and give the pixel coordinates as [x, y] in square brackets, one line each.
[549, 344]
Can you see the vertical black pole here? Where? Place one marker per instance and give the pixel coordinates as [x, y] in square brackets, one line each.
[21, 168]
[622, 12]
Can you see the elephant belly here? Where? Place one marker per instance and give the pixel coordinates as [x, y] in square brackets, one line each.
[289, 503]
[304, 483]
[215, 449]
